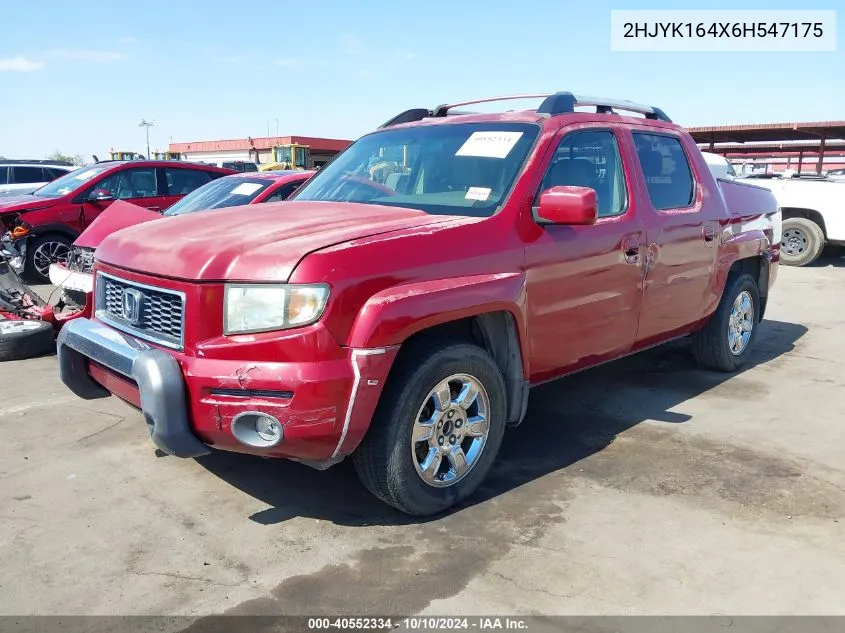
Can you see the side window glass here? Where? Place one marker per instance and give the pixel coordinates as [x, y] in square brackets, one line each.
[4, 178]
[590, 159]
[27, 175]
[666, 169]
[184, 181]
[284, 192]
[130, 183]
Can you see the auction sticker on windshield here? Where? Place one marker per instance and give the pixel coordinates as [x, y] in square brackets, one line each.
[245, 189]
[489, 144]
[477, 193]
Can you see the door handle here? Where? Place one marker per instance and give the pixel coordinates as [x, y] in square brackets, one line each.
[709, 233]
[631, 250]
[154, 208]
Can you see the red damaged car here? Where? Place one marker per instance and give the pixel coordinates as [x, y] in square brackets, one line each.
[75, 277]
[420, 284]
[37, 229]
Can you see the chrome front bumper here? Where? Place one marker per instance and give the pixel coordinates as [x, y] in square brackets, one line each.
[157, 374]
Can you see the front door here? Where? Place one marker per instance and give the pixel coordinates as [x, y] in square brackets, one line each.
[683, 231]
[138, 185]
[585, 282]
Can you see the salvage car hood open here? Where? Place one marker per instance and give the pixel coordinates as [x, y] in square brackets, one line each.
[257, 243]
[12, 204]
[119, 215]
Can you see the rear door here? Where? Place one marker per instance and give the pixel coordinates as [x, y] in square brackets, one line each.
[178, 182]
[24, 179]
[585, 282]
[683, 232]
[5, 189]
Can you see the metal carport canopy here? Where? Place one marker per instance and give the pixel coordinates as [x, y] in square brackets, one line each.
[820, 131]
[773, 132]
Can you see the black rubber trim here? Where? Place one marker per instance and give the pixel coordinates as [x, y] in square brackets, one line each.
[163, 404]
[73, 370]
[157, 374]
[254, 393]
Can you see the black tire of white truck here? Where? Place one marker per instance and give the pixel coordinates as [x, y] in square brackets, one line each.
[802, 242]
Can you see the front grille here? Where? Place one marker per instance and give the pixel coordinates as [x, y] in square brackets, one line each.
[157, 316]
[80, 259]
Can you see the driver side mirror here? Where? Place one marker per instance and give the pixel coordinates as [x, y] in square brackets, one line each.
[100, 195]
[568, 205]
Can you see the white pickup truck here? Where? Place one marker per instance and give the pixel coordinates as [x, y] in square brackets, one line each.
[813, 215]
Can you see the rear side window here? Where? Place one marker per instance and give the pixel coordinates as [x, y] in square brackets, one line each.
[666, 169]
[184, 181]
[26, 175]
[52, 173]
[4, 175]
[283, 192]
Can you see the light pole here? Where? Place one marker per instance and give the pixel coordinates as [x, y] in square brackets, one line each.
[147, 124]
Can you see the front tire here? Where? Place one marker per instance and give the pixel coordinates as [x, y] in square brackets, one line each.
[801, 243]
[437, 429]
[43, 251]
[725, 342]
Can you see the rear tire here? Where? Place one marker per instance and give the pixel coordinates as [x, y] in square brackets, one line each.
[802, 242]
[726, 341]
[425, 476]
[21, 338]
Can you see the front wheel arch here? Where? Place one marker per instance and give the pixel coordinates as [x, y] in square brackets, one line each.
[498, 334]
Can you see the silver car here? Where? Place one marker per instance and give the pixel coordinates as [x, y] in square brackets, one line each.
[19, 177]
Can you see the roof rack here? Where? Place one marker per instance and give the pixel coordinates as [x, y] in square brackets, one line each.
[553, 104]
[39, 161]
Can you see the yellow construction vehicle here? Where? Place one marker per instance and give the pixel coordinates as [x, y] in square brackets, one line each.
[291, 156]
[167, 155]
[123, 155]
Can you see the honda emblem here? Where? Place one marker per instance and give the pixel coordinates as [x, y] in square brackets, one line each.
[131, 305]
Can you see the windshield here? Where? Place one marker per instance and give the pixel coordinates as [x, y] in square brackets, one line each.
[69, 182]
[454, 169]
[223, 192]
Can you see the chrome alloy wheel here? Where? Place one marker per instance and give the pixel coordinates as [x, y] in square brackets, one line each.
[49, 253]
[740, 323]
[450, 430]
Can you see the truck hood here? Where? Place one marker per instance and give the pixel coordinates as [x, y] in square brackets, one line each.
[250, 243]
[19, 204]
[119, 215]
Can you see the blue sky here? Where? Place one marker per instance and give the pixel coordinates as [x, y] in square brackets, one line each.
[78, 76]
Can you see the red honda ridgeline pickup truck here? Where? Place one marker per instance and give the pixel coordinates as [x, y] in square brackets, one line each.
[398, 308]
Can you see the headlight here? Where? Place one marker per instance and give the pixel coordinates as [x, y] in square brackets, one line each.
[266, 307]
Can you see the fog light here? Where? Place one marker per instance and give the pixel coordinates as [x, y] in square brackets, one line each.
[257, 429]
[268, 429]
